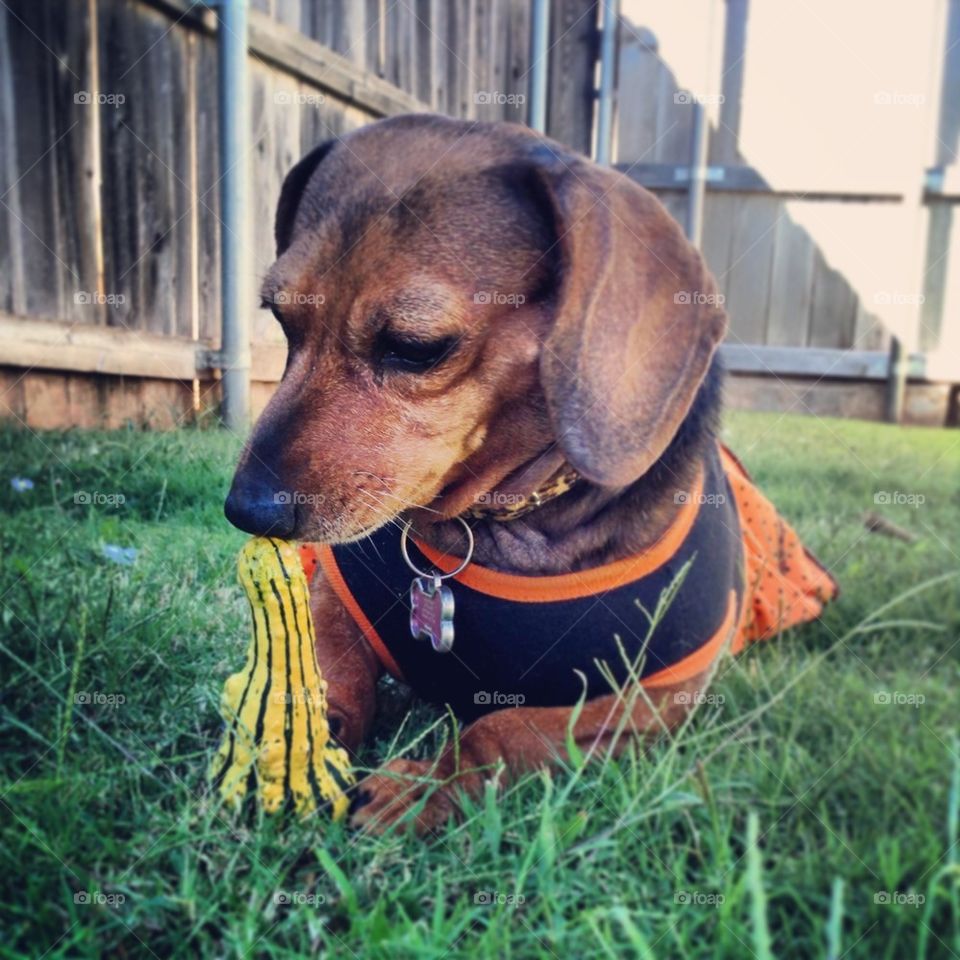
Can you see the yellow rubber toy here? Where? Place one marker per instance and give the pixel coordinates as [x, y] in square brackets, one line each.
[276, 744]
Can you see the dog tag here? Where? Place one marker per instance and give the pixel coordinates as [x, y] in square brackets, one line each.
[431, 612]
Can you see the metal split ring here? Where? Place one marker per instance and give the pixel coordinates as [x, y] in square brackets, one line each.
[436, 576]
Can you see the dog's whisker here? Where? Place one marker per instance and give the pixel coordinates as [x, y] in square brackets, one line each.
[368, 473]
[371, 498]
[410, 503]
[388, 493]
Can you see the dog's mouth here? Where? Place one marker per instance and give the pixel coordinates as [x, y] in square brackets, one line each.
[464, 491]
[476, 490]
[324, 530]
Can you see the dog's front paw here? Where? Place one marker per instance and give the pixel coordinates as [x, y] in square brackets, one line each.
[402, 794]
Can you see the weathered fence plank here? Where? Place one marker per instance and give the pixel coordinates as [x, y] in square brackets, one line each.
[517, 57]
[639, 79]
[719, 213]
[276, 107]
[146, 168]
[574, 45]
[206, 203]
[47, 214]
[791, 283]
[751, 256]
[833, 307]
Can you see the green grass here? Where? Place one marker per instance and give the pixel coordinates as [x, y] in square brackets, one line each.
[770, 827]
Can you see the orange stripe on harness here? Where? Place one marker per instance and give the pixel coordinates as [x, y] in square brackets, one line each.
[572, 586]
[324, 555]
[702, 658]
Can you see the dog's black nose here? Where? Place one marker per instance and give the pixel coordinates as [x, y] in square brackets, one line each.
[260, 509]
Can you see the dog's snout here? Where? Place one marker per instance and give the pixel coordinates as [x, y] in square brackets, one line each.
[258, 507]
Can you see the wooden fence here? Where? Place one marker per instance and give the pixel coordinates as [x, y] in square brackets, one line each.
[779, 289]
[801, 335]
[109, 208]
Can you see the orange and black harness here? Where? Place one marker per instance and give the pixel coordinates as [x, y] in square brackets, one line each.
[729, 570]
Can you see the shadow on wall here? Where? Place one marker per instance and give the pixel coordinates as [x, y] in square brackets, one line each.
[779, 287]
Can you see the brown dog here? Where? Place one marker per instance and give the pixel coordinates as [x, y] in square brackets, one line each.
[470, 308]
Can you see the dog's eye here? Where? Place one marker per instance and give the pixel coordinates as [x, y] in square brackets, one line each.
[413, 356]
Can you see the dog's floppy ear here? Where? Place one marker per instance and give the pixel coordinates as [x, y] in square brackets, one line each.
[291, 192]
[637, 321]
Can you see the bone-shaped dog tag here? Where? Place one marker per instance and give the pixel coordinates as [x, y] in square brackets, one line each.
[431, 612]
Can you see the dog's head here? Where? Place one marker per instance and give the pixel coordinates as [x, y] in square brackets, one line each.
[462, 300]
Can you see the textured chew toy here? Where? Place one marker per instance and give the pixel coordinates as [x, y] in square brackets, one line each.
[276, 741]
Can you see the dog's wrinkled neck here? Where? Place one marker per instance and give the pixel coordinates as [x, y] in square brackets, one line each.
[591, 525]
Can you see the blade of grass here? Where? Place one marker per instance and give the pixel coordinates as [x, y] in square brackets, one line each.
[758, 896]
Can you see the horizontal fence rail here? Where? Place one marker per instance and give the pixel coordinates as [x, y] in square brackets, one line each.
[109, 173]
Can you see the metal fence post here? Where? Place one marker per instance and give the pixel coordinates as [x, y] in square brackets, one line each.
[234, 246]
[697, 184]
[608, 59]
[896, 381]
[539, 70]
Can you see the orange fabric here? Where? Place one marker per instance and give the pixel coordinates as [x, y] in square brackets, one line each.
[569, 586]
[309, 560]
[324, 555]
[784, 585]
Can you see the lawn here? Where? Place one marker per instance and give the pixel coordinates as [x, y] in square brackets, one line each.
[809, 809]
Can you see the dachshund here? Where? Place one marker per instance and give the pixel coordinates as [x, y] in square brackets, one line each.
[502, 358]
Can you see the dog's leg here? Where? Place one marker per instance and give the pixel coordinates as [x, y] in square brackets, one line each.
[524, 738]
[347, 661]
